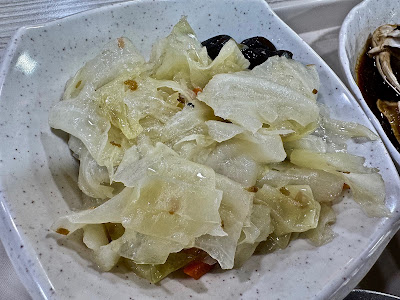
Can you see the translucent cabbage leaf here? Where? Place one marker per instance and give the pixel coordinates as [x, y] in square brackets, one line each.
[191, 120]
[235, 206]
[303, 79]
[262, 96]
[326, 187]
[293, 208]
[178, 199]
[330, 162]
[226, 160]
[155, 273]
[110, 103]
[145, 249]
[274, 242]
[106, 258]
[76, 146]
[261, 227]
[343, 129]
[81, 119]
[222, 131]
[297, 131]
[93, 179]
[174, 209]
[117, 58]
[309, 142]
[162, 161]
[195, 147]
[111, 211]
[95, 238]
[366, 185]
[263, 148]
[243, 252]
[323, 233]
[368, 190]
[180, 56]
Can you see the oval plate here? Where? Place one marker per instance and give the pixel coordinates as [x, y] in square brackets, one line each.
[38, 182]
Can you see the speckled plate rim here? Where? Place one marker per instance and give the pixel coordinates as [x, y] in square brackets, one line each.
[37, 282]
[9, 234]
[345, 62]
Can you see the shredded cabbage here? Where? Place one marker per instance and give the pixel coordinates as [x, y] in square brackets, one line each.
[194, 158]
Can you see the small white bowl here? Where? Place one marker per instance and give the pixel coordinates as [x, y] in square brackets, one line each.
[361, 21]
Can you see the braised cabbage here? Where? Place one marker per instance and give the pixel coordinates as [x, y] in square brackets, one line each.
[199, 159]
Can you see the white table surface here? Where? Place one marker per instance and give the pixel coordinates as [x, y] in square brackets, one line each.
[384, 275]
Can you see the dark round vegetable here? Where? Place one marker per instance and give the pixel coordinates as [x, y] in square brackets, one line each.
[259, 42]
[257, 56]
[215, 44]
[256, 49]
[284, 53]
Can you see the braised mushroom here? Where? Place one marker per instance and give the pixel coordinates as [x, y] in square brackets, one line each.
[386, 47]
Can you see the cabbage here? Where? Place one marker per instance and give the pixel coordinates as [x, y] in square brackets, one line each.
[178, 198]
[323, 233]
[263, 148]
[368, 191]
[95, 238]
[181, 57]
[310, 142]
[367, 186]
[78, 113]
[117, 58]
[225, 160]
[197, 159]
[261, 226]
[222, 131]
[111, 211]
[261, 96]
[293, 208]
[76, 146]
[326, 187]
[175, 210]
[145, 249]
[93, 179]
[190, 120]
[235, 206]
[275, 242]
[336, 128]
[330, 162]
[195, 147]
[259, 230]
[155, 273]
[106, 258]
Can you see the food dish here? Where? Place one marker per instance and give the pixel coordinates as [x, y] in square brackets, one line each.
[44, 264]
[357, 26]
[238, 135]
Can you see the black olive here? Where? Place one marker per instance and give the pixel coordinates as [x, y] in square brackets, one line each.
[215, 44]
[257, 56]
[259, 42]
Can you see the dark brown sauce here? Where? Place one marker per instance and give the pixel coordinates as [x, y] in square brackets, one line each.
[373, 87]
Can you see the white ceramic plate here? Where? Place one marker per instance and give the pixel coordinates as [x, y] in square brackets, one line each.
[361, 21]
[38, 182]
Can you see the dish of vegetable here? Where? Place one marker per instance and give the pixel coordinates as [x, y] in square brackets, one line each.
[44, 190]
[198, 161]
